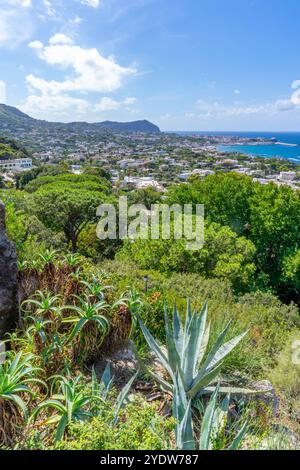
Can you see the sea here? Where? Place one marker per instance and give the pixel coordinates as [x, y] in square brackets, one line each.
[288, 146]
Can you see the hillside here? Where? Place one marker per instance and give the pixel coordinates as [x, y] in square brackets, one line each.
[10, 149]
[13, 120]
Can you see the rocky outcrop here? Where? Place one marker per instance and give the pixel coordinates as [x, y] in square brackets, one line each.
[8, 279]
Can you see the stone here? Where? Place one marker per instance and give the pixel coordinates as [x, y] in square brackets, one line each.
[9, 305]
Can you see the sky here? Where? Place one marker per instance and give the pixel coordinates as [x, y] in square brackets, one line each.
[230, 65]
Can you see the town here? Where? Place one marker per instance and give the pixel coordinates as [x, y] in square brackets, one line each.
[139, 160]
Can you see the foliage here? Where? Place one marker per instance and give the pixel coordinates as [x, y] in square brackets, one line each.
[16, 374]
[67, 210]
[187, 359]
[140, 427]
[267, 215]
[224, 256]
[69, 405]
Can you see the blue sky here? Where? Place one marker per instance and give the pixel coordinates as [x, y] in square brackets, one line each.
[183, 64]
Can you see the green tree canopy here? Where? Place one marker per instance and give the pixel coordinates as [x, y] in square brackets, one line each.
[67, 210]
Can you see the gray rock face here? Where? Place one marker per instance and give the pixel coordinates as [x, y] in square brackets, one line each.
[8, 279]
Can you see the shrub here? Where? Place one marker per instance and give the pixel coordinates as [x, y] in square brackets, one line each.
[139, 428]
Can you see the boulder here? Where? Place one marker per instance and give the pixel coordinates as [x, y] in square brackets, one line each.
[8, 279]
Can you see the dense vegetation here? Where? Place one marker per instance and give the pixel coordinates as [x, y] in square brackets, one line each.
[83, 299]
[10, 149]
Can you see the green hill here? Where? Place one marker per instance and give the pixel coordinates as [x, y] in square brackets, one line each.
[13, 120]
[10, 149]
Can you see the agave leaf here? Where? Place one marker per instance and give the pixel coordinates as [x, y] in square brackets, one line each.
[204, 344]
[173, 357]
[220, 415]
[224, 350]
[123, 395]
[186, 439]
[194, 336]
[156, 348]
[232, 390]
[207, 422]
[165, 385]
[216, 346]
[203, 379]
[178, 331]
[239, 437]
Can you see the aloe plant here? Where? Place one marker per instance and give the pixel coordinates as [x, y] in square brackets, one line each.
[16, 374]
[44, 303]
[186, 352]
[48, 256]
[95, 288]
[84, 313]
[70, 404]
[133, 301]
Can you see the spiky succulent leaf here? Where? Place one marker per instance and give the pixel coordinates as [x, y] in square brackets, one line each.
[207, 422]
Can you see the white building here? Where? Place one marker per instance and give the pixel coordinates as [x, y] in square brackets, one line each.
[288, 175]
[16, 165]
[204, 173]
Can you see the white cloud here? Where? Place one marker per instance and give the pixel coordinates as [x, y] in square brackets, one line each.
[22, 3]
[91, 3]
[86, 70]
[108, 104]
[91, 71]
[214, 109]
[237, 92]
[2, 92]
[15, 28]
[59, 39]
[48, 105]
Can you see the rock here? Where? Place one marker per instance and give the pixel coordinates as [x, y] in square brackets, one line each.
[8, 279]
[267, 394]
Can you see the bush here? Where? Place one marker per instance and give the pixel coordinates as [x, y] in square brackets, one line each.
[285, 376]
[139, 428]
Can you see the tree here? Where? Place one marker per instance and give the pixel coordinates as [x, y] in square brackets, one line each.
[224, 195]
[224, 255]
[67, 210]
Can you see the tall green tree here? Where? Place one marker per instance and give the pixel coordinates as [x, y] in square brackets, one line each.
[67, 210]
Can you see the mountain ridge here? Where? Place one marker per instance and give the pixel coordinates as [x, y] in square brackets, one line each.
[10, 116]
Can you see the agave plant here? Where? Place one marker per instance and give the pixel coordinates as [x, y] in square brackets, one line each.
[70, 404]
[15, 375]
[187, 354]
[45, 305]
[86, 312]
[215, 420]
